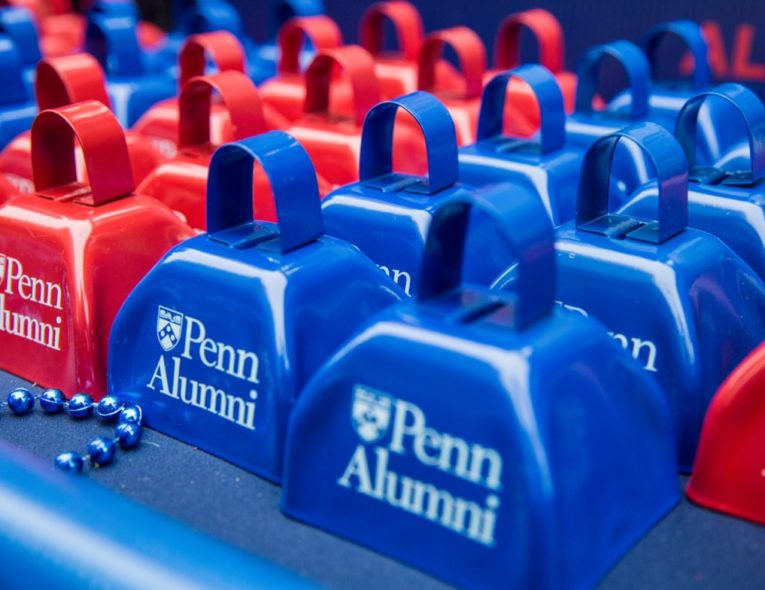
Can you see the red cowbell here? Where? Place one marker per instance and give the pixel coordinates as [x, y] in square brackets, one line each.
[160, 122]
[522, 111]
[397, 70]
[333, 140]
[72, 252]
[729, 471]
[285, 92]
[181, 182]
[61, 81]
[463, 103]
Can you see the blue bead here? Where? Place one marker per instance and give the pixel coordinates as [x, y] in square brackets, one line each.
[131, 414]
[80, 406]
[128, 434]
[21, 401]
[52, 401]
[69, 462]
[109, 408]
[101, 451]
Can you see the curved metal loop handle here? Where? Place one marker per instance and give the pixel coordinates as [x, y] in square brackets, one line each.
[552, 133]
[746, 103]
[112, 40]
[103, 147]
[214, 15]
[293, 184]
[237, 93]
[376, 158]
[11, 80]
[525, 225]
[64, 80]
[547, 32]
[470, 52]
[284, 10]
[321, 31]
[670, 170]
[406, 21]
[691, 35]
[221, 47]
[19, 25]
[635, 65]
[358, 65]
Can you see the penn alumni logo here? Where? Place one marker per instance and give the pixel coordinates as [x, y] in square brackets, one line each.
[169, 326]
[2, 268]
[370, 413]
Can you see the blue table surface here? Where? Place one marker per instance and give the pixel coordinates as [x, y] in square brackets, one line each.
[690, 548]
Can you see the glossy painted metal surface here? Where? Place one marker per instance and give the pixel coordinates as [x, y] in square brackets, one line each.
[115, 543]
[62, 81]
[222, 51]
[181, 182]
[19, 25]
[729, 472]
[333, 139]
[546, 165]
[522, 114]
[72, 252]
[513, 446]
[17, 105]
[464, 100]
[726, 201]
[133, 83]
[224, 377]
[285, 92]
[682, 302]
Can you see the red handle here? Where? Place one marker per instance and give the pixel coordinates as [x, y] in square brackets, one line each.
[321, 31]
[237, 93]
[223, 48]
[358, 65]
[103, 146]
[60, 81]
[406, 21]
[470, 52]
[545, 28]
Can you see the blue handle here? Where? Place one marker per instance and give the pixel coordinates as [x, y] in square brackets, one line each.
[215, 15]
[293, 184]
[545, 87]
[525, 225]
[437, 127]
[635, 65]
[116, 8]
[112, 40]
[748, 105]
[11, 80]
[692, 37]
[19, 25]
[671, 172]
[283, 10]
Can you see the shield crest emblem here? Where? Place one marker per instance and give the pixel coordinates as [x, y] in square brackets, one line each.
[169, 327]
[370, 413]
[2, 268]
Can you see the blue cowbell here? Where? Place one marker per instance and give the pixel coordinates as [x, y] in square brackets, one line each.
[387, 214]
[17, 104]
[682, 302]
[667, 96]
[19, 25]
[726, 201]
[485, 437]
[218, 339]
[548, 165]
[132, 86]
